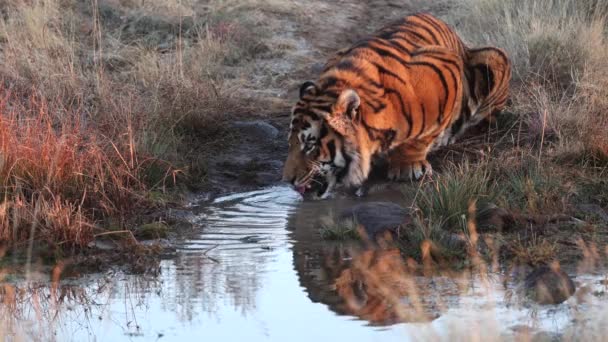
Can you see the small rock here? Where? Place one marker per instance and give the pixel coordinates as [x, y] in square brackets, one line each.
[258, 130]
[548, 285]
[377, 217]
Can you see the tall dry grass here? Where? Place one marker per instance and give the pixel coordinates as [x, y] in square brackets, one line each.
[59, 178]
[559, 49]
[104, 101]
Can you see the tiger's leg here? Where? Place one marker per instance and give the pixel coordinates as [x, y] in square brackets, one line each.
[408, 161]
[436, 75]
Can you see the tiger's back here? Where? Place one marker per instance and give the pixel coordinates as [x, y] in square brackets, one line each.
[487, 69]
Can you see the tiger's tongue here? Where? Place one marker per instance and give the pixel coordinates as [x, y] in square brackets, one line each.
[301, 189]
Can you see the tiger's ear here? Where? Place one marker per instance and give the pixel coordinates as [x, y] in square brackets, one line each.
[348, 104]
[345, 113]
[308, 88]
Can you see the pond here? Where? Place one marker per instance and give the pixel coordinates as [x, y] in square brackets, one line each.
[257, 269]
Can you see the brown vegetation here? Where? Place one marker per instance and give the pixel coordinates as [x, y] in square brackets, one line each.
[103, 103]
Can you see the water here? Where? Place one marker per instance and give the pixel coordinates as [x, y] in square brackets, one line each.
[257, 270]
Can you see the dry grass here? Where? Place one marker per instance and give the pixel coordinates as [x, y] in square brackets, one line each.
[58, 178]
[530, 248]
[559, 49]
[104, 101]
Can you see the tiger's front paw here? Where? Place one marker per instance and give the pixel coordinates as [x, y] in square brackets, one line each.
[410, 170]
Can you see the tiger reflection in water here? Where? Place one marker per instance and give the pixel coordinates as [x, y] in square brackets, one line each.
[378, 286]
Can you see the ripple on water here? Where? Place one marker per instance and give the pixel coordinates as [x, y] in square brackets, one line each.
[245, 221]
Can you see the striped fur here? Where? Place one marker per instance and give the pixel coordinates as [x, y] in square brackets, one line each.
[411, 87]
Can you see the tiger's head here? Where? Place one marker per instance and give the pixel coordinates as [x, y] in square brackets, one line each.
[323, 148]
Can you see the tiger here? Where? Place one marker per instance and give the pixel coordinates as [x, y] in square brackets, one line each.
[408, 89]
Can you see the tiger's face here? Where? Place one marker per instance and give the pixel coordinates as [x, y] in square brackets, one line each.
[318, 156]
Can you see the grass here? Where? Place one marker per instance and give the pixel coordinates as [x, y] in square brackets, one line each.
[449, 197]
[104, 105]
[534, 189]
[334, 230]
[530, 248]
[558, 49]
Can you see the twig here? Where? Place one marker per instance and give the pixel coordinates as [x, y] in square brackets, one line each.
[118, 232]
[542, 137]
[211, 258]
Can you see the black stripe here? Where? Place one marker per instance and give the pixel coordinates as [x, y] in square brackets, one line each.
[349, 66]
[416, 34]
[303, 111]
[389, 137]
[441, 78]
[437, 25]
[330, 93]
[466, 110]
[489, 77]
[385, 71]
[386, 53]
[426, 29]
[404, 49]
[331, 146]
[324, 131]
[324, 108]
[377, 106]
[385, 136]
[345, 64]
[403, 110]
[343, 171]
[455, 80]
[470, 77]
[329, 81]
[406, 39]
[457, 125]
[423, 109]
[393, 43]
[389, 31]
[436, 55]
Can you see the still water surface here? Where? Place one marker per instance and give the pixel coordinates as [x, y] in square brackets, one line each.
[257, 270]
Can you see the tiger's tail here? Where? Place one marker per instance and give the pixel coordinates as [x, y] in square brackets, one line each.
[488, 74]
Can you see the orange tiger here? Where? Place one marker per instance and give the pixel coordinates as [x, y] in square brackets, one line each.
[411, 87]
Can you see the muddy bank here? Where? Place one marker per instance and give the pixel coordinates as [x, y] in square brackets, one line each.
[255, 160]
